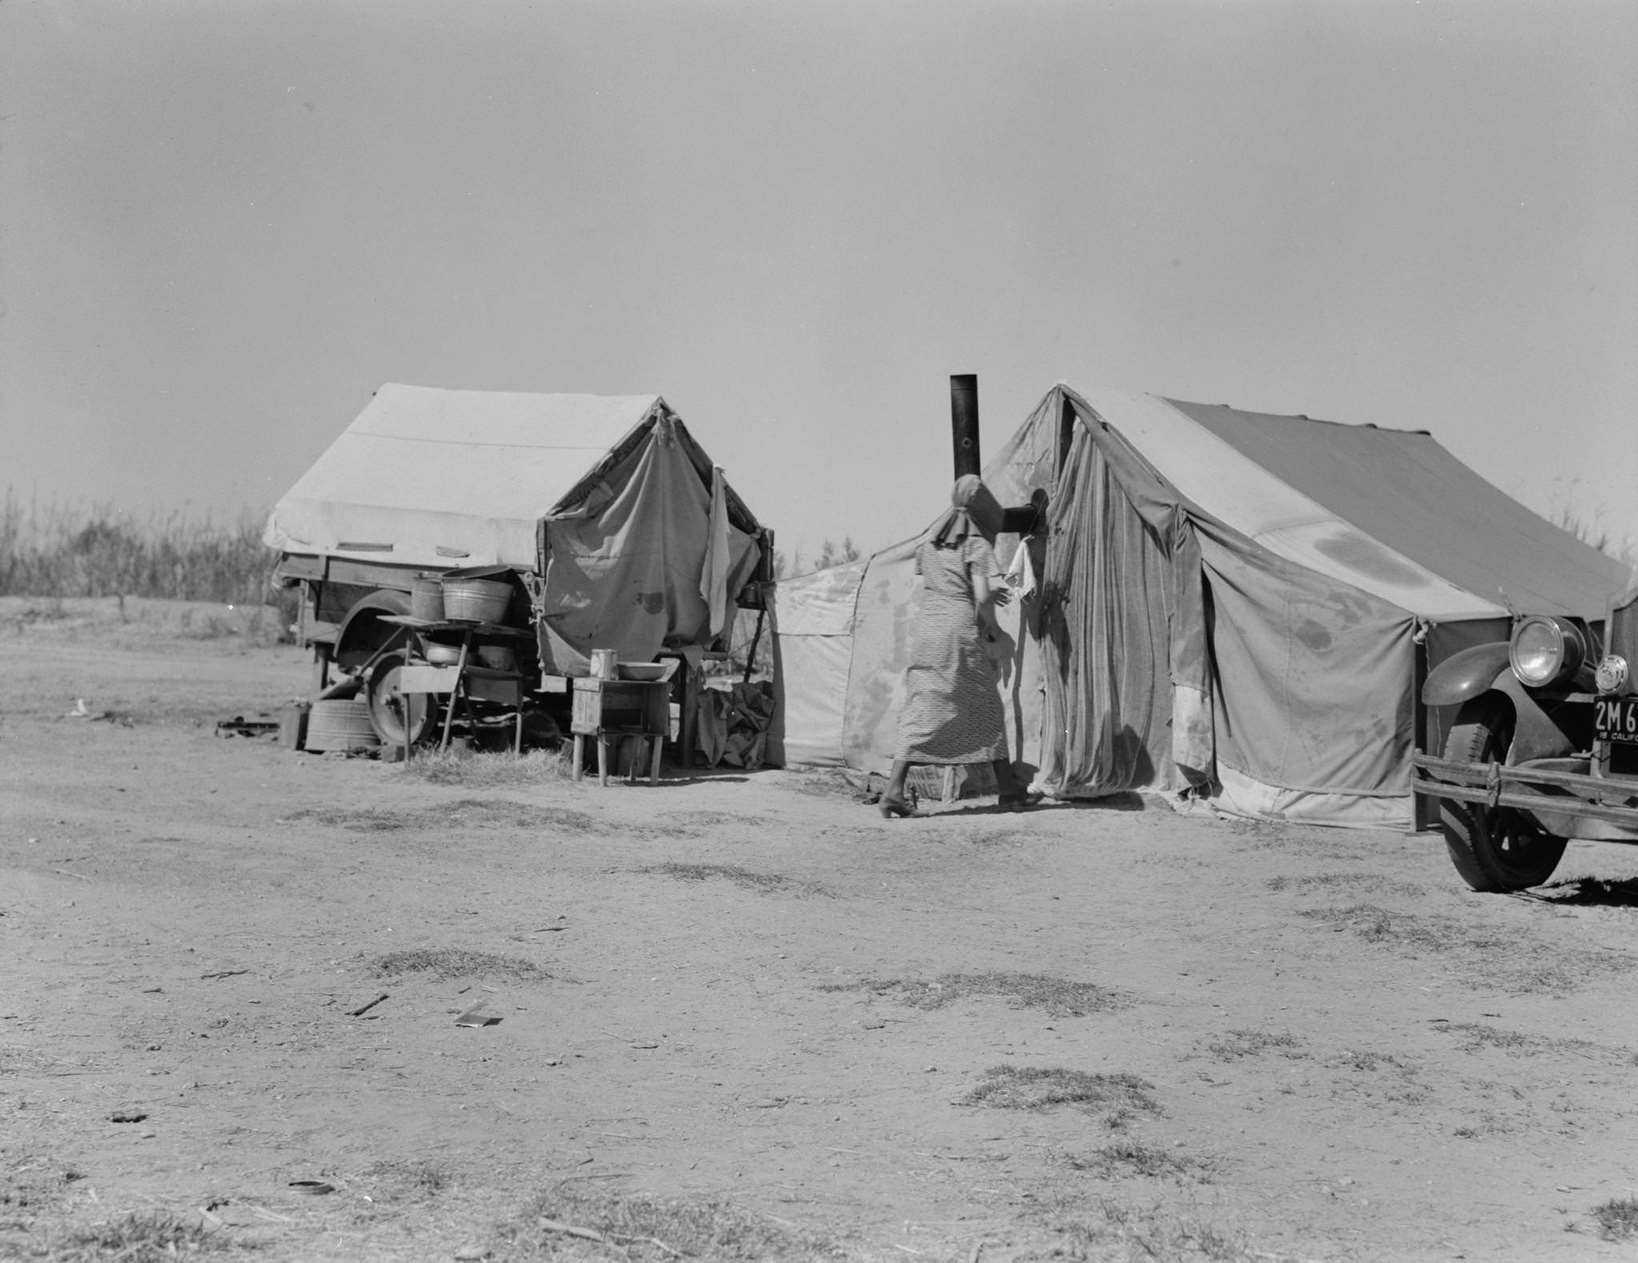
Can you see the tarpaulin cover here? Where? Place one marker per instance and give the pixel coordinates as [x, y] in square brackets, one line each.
[1230, 603]
[813, 641]
[626, 560]
[449, 479]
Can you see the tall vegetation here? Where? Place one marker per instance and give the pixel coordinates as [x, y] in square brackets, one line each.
[92, 551]
[788, 565]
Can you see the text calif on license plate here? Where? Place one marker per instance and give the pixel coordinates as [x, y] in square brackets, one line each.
[1616, 718]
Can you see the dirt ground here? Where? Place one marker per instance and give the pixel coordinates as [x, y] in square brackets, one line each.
[1101, 1031]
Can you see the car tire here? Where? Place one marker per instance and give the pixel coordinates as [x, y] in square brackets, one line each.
[1495, 849]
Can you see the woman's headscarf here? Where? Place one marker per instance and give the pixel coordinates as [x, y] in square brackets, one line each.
[972, 508]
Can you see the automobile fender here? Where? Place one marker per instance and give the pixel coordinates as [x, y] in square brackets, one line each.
[1483, 669]
[362, 633]
[1466, 674]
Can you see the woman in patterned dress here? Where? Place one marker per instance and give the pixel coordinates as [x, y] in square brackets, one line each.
[952, 712]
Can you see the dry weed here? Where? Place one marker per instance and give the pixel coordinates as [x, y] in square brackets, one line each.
[1127, 1158]
[1246, 1043]
[1617, 1219]
[1109, 1230]
[571, 1223]
[1477, 1035]
[141, 1237]
[1024, 1088]
[1057, 996]
[447, 964]
[462, 813]
[479, 769]
[1507, 960]
[744, 877]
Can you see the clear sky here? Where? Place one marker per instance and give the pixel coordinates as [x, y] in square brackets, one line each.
[223, 225]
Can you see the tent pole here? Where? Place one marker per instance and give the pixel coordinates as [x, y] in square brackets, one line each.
[750, 658]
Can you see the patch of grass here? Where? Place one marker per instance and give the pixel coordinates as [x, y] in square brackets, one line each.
[569, 1223]
[1510, 961]
[1058, 996]
[157, 1237]
[1315, 882]
[414, 1180]
[1109, 1230]
[767, 882]
[445, 964]
[480, 769]
[1618, 1219]
[1487, 1124]
[1127, 1158]
[1366, 1060]
[824, 784]
[1477, 1035]
[1237, 1044]
[715, 819]
[1024, 1088]
[462, 813]
[30, 1184]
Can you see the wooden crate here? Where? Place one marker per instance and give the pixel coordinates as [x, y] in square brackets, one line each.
[640, 707]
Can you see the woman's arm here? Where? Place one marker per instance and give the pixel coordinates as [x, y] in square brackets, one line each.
[987, 595]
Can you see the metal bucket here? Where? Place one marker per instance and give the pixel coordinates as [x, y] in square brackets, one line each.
[476, 600]
[603, 664]
[337, 725]
[498, 657]
[427, 600]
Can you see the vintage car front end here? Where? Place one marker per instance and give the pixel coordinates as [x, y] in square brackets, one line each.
[1543, 749]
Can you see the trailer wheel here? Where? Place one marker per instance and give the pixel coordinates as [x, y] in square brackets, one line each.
[1495, 849]
[395, 714]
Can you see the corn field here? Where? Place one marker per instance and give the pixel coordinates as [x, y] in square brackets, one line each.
[94, 551]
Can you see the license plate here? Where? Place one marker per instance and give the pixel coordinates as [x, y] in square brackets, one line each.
[1616, 718]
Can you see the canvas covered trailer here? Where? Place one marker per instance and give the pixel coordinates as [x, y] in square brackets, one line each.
[604, 515]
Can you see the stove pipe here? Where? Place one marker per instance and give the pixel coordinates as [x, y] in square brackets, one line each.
[964, 422]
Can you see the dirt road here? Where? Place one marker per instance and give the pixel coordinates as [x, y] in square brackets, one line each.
[1089, 1032]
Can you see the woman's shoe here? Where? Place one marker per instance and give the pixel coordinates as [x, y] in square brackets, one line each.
[891, 807]
[1020, 801]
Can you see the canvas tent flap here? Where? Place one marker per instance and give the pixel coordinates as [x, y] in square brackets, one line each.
[813, 639]
[628, 577]
[446, 478]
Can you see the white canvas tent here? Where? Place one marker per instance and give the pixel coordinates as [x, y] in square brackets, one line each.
[1230, 603]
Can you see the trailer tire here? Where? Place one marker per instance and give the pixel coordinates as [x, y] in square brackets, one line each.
[1495, 849]
[393, 711]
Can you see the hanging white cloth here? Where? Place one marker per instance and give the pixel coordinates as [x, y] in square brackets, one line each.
[1021, 571]
[714, 572]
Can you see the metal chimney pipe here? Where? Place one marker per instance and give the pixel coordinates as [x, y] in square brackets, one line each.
[964, 422]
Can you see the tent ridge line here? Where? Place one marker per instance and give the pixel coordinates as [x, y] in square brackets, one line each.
[418, 438]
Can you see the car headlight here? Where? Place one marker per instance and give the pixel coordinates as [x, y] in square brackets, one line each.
[1545, 649]
[1612, 673]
